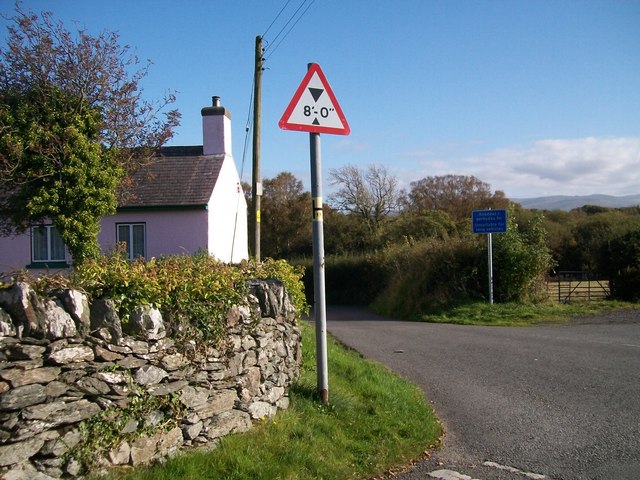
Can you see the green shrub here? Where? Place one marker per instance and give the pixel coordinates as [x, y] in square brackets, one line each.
[429, 275]
[350, 279]
[521, 260]
[194, 293]
[127, 283]
[623, 267]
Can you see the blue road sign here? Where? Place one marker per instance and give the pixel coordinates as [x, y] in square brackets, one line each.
[489, 221]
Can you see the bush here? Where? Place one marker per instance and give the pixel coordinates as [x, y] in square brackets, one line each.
[521, 260]
[430, 275]
[349, 279]
[624, 266]
[191, 291]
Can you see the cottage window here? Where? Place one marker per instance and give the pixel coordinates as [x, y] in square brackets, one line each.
[134, 237]
[46, 244]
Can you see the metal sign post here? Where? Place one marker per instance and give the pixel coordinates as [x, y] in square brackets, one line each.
[314, 109]
[489, 222]
[490, 249]
[319, 307]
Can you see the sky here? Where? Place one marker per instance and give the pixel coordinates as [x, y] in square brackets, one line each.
[533, 97]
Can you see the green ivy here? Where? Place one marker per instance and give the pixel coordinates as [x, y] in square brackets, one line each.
[105, 431]
[194, 293]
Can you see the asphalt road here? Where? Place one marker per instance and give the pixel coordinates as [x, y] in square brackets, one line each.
[553, 402]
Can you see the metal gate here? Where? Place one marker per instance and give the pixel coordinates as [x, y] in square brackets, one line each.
[567, 286]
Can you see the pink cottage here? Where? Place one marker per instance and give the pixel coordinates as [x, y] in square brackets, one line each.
[188, 200]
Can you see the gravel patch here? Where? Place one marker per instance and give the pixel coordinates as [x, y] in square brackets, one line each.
[624, 316]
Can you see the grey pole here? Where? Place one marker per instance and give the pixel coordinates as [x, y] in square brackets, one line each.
[319, 307]
[490, 248]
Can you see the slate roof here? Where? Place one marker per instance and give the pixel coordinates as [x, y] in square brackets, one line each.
[179, 177]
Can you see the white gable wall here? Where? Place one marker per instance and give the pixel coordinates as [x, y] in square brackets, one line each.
[227, 219]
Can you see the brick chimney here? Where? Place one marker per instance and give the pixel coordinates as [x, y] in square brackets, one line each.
[216, 129]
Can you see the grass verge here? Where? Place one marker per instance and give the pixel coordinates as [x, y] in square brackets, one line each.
[375, 421]
[517, 315]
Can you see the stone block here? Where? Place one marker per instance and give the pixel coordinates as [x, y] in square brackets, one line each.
[19, 377]
[143, 451]
[146, 323]
[57, 322]
[259, 410]
[112, 377]
[106, 355]
[250, 383]
[121, 454]
[18, 452]
[138, 347]
[66, 440]
[103, 314]
[218, 402]
[7, 328]
[25, 471]
[21, 302]
[61, 413]
[167, 388]
[22, 351]
[76, 304]
[233, 421]
[149, 375]
[22, 397]
[79, 353]
[174, 361]
[191, 431]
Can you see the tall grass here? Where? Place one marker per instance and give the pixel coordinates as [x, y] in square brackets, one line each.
[519, 315]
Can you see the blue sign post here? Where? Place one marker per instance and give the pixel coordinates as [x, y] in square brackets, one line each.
[489, 221]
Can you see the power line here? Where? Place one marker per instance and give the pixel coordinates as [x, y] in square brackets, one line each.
[275, 19]
[293, 16]
[247, 132]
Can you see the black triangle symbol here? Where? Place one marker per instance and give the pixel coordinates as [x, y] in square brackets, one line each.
[315, 93]
[315, 121]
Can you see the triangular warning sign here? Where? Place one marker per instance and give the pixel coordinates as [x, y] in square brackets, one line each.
[310, 110]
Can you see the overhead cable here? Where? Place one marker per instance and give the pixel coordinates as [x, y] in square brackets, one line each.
[275, 19]
[293, 16]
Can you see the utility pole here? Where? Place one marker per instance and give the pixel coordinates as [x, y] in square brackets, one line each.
[256, 184]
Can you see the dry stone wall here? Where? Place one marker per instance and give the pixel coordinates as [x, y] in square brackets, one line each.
[66, 365]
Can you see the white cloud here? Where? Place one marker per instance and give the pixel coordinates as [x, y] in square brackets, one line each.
[349, 145]
[581, 166]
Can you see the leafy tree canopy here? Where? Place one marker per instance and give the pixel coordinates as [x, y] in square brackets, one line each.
[92, 69]
[59, 172]
[73, 124]
[457, 195]
[286, 217]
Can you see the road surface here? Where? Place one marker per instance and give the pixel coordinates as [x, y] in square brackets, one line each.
[553, 402]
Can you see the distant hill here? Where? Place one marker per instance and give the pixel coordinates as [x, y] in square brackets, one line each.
[567, 202]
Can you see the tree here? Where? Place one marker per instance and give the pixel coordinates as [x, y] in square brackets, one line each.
[93, 83]
[457, 195]
[285, 216]
[419, 226]
[371, 194]
[521, 259]
[623, 267]
[58, 169]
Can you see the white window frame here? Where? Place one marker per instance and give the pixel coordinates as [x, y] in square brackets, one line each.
[133, 253]
[50, 231]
